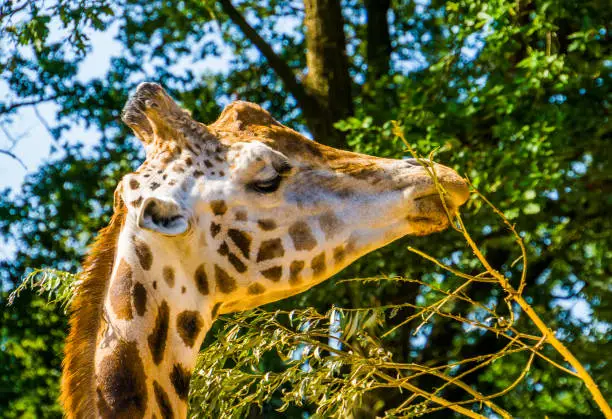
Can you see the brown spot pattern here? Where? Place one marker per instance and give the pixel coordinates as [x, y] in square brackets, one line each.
[225, 283]
[163, 401]
[242, 240]
[119, 294]
[318, 264]
[104, 410]
[295, 269]
[218, 207]
[136, 203]
[134, 184]
[154, 185]
[143, 251]
[351, 246]
[215, 310]
[214, 229]
[158, 337]
[188, 324]
[139, 295]
[330, 224]
[273, 274]
[179, 377]
[267, 225]
[168, 274]
[241, 215]
[339, 254]
[122, 388]
[236, 262]
[201, 280]
[270, 249]
[256, 288]
[223, 249]
[302, 236]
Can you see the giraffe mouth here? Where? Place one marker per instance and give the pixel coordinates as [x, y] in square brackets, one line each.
[420, 219]
[428, 215]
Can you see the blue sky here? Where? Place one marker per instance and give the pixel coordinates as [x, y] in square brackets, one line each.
[34, 141]
[28, 125]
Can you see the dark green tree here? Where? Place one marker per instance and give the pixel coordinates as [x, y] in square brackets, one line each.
[513, 94]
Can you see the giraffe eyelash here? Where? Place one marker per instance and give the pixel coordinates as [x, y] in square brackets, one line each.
[283, 169]
[266, 186]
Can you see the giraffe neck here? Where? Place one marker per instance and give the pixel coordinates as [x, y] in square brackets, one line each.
[136, 326]
[154, 318]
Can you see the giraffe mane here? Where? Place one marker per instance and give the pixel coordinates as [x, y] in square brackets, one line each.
[77, 388]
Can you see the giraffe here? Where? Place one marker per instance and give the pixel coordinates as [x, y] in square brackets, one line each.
[222, 218]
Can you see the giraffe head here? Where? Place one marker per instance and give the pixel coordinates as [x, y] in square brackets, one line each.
[222, 218]
[254, 211]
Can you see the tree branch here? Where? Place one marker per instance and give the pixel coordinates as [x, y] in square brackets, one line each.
[4, 109]
[324, 97]
[8, 151]
[14, 156]
[279, 66]
[7, 11]
[45, 124]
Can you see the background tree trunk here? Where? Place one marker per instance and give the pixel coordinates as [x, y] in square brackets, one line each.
[325, 95]
[378, 96]
[378, 47]
[328, 79]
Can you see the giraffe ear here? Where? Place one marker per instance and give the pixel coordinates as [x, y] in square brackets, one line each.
[163, 216]
[239, 115]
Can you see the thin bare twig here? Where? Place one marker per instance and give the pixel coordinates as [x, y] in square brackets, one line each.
[14, 157]
[515, 294]
[8, 108]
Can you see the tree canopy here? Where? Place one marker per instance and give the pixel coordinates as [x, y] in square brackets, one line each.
[513, 94]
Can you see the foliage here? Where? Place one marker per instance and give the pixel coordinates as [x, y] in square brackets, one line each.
[59, 286]
[513, 94]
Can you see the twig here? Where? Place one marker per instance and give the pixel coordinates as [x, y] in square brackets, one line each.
[432, 397]
[44, 123]
[514, 294]
[15, 157]
[8, 108]
[477, 395]
[7, 11]
[546, 332]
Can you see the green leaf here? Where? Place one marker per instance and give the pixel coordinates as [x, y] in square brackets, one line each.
[531, 208]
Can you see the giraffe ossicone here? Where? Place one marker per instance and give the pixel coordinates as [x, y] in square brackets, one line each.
[222, 218]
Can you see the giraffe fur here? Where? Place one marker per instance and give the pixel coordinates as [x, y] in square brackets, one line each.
[222, 218]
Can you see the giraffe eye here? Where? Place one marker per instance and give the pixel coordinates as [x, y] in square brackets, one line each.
[266, 186]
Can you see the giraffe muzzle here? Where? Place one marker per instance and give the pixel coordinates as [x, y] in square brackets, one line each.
[427, 212]
[455, 188]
